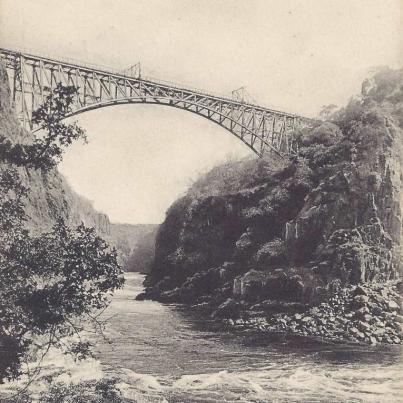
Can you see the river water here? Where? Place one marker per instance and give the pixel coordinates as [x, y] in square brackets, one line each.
[163, 353]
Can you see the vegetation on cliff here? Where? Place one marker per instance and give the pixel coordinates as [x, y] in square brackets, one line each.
[54, 281]
[294, 232]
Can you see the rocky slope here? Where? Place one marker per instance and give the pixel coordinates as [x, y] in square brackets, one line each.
[290, 243]
[50, 196]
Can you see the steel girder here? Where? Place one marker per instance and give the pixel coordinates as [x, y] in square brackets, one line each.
[33, 77]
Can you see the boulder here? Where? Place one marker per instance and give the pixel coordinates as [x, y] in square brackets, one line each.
[228, 309]
[251, 285]
[283, 287]
[392, 305]
[363, 326]
[170, 296]
[360, 300]
[399, 319]
[359, 290]
[141, 297]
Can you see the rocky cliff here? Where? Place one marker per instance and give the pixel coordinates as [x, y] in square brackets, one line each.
[143, 253]
[50, 196]
[288, 243]
[135, 243]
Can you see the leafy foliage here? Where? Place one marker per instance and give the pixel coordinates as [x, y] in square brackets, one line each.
[46, 151]
[51, 284]
[102, 391]
[232, 177]
[326, 111]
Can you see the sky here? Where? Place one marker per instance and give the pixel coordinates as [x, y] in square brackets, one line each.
[291, 55]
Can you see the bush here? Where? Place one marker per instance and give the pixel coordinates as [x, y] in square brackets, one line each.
[327, 134]
[51, 282]
[103, 391]
[271, 254]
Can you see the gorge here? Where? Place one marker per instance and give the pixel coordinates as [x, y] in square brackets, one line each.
[309, 245]
[258, 269]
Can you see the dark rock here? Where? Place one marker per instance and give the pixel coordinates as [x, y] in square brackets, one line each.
[276, 306]
[203, 306]
[228, 309]
[284, 287]
[170, 296]
[141, 297]
[252, 285]
[360, 313]
[363, 326]
[360, 300]
[359, 290]
[376, 310]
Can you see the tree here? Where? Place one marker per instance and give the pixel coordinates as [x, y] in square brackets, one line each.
[54, 282]
[326, 111]
[47, 150]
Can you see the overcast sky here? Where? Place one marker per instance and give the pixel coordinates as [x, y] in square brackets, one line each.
[290, 54]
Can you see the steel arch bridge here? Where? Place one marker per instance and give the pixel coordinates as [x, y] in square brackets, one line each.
[33, 77]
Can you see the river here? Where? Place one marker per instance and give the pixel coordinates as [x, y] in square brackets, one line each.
[163, 353]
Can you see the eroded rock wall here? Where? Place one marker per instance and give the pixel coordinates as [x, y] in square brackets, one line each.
[293, 233]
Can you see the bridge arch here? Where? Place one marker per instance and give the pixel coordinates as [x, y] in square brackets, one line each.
[236, 128]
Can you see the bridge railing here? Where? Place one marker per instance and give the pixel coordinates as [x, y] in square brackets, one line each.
[111, 70]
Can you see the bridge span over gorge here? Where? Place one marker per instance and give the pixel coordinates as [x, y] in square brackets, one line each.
[33, 77]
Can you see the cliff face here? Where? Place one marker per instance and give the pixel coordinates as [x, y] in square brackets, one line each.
[294, 234]
[143, 253]
[50, 196]
[132, 240]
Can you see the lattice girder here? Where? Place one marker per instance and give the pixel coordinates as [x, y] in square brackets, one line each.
[33, 77]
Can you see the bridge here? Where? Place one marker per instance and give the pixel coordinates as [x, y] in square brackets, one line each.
[33, 77]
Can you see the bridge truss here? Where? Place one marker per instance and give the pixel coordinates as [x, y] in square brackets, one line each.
[32, 78]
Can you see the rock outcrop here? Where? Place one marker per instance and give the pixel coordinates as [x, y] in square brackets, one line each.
[291, 235]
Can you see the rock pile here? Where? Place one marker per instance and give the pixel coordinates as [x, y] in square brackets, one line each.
[367, 314]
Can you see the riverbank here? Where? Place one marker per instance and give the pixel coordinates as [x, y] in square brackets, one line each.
[365, 314]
